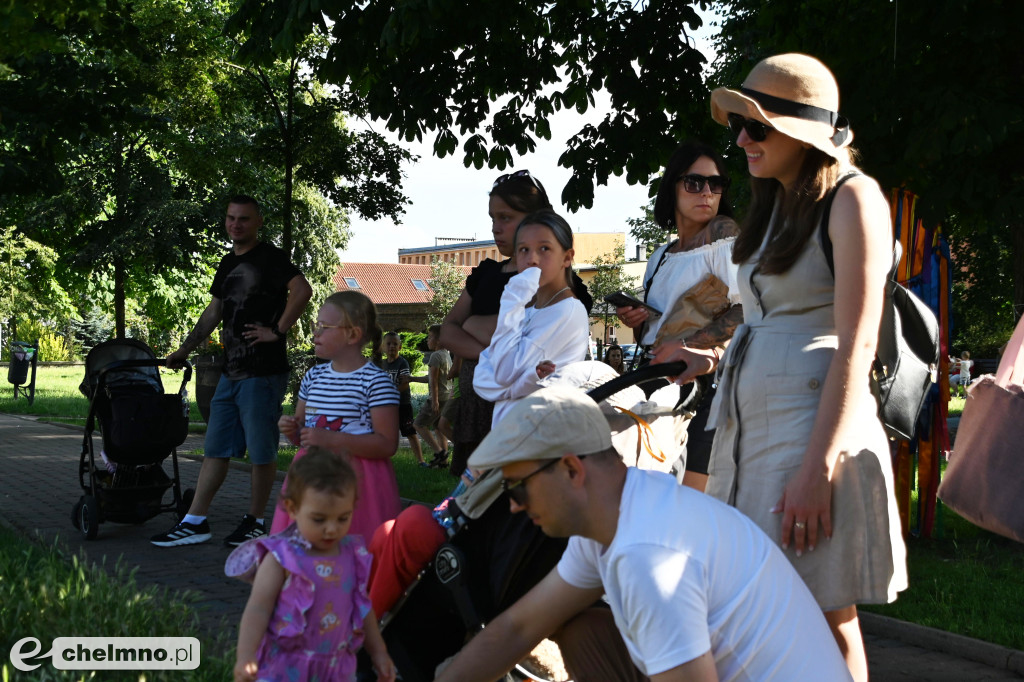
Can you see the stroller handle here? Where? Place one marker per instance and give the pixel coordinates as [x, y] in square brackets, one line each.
[642, 375]
[155, 362]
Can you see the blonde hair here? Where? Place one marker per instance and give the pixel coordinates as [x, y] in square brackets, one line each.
[360, 312]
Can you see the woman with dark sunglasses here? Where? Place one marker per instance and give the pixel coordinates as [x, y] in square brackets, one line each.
[693, 203]
[799, 447]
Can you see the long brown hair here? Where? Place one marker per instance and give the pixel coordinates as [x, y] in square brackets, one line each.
[799, 213]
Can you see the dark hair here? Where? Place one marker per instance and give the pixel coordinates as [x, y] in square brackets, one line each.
[622, 358]
[563, 235]
[360, 312]
[521, 191]
[798, 217]
[321, 470]
[682, 158]
[243, 199]
[434, 329]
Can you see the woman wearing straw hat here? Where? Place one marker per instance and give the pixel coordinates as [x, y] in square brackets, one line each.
[799, 447]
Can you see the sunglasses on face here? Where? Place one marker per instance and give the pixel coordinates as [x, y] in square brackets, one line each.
[694, 183]
[755, 129]
[517, 489]
[502, 179]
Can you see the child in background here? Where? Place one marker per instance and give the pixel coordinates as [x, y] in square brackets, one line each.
[398, 369]
[542, 325]
[350, 407]
[446, 424]
[309, 612]
[440, 387]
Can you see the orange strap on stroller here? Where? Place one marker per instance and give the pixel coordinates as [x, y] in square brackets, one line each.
[644, 433]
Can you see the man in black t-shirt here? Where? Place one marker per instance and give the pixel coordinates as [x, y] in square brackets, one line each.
[258, 294]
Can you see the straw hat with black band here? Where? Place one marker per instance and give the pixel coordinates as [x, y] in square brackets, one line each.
[793, 93]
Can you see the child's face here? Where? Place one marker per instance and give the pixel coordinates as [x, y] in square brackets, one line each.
[336, 333]
[432, 341]
[392, 344]
[323, 517]
[536, 247]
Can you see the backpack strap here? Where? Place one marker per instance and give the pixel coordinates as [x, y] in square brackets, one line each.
[662, 251]
[826, 242]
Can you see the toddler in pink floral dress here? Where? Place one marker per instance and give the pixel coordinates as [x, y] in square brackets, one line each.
[309, 613]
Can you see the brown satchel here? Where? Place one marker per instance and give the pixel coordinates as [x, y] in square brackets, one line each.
[695, 309]
[983, 482]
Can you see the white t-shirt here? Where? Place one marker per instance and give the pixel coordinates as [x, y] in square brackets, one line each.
[965, 371]
[686, 574]
[341, 401]
[681, 271]
[507, 370]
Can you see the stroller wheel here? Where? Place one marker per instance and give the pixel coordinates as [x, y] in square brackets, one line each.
[76, 512]
[89, 517]
[186, 502]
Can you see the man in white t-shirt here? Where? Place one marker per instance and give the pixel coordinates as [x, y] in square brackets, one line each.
[697, 591]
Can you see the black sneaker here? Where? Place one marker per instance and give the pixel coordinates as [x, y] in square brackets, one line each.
[183, 534]
[248, 529]
[440, 460]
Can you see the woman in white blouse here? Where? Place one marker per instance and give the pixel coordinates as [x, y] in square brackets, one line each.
[692, 201]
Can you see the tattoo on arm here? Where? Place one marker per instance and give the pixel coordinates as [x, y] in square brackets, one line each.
[720, 331]
[721, 227]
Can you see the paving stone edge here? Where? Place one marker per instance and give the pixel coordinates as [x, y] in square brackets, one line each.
[992, 655]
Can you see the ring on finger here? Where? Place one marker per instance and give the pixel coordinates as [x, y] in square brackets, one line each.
[800, 525]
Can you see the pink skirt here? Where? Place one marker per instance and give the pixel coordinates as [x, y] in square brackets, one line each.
[378, 497]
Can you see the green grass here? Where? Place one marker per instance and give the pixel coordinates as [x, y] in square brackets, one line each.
[967, 581]
[57, 397]
[956, 406]
[44, 593]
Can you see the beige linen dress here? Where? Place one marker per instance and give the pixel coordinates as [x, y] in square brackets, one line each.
[770, 383]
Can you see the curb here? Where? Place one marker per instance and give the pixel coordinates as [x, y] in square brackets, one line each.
[992, 655]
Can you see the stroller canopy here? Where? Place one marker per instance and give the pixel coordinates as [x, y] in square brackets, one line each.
[116, 350]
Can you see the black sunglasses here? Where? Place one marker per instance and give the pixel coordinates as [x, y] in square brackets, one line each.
[502, 179]
[694, 183]
[755, 129]
[517, 490]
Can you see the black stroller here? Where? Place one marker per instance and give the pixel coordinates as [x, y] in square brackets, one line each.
[493, 557]
[140, 426]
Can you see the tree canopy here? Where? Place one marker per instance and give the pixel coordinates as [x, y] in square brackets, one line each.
[489, 78]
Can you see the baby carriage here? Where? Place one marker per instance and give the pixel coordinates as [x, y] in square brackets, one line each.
[492, 556]
[140, 426]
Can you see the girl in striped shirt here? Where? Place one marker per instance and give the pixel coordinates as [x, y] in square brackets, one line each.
[349, 406]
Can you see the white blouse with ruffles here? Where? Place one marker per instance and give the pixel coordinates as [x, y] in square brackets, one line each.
[684, 269]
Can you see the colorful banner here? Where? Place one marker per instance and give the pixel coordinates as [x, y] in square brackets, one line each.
[925, 269]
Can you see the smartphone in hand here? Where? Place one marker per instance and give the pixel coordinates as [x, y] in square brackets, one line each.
[620, 299]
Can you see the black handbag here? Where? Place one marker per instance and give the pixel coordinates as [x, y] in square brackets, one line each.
[907, 353]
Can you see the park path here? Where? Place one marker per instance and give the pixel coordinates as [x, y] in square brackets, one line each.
[40, 485]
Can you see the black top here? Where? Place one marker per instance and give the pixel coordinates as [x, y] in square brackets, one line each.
[253, 289]
[485, 285]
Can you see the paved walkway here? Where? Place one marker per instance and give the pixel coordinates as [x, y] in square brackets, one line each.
[40, 485]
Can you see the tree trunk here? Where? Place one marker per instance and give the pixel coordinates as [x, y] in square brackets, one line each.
[119, 324]
[1018, 270]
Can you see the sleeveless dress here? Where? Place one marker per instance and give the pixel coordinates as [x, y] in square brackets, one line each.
[769, 387]
[316, 628]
